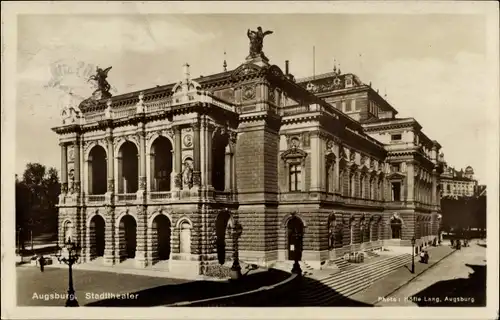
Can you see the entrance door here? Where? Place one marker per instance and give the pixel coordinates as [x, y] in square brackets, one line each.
[130, 228]
[162, 225]
[99, 235]
[295, 232]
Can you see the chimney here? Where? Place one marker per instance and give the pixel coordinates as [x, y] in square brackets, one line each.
[286, 67]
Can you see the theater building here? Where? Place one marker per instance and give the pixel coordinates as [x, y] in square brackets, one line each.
[317, 167]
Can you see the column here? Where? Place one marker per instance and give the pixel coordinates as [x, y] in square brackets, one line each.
[227, 172]
[142, 157]
[209, 160]
[316, 156]
[111, 162]
[77, 165]
[64, 168]
[410, 181]
[90, 185]
[178, 157]
[197, 155]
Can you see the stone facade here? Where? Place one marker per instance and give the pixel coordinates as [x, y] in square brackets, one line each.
[164, 175]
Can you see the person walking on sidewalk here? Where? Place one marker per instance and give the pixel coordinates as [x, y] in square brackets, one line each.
[41, 260]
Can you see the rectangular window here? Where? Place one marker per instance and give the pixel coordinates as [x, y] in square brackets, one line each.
[345, 107]
[396, 137]
[395, 167]
[295, 178]
[353, 105]
[396, 191]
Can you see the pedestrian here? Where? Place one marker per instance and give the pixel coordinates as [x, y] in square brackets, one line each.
[41, 260]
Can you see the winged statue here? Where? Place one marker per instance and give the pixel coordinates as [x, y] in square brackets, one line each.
[257, 41]
[100, 77]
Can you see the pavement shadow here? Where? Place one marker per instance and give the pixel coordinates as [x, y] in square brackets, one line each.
[482, 245]
[463, 292]
[313, 293]
[196, 290]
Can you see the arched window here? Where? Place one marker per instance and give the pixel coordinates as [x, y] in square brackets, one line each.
[396, 224]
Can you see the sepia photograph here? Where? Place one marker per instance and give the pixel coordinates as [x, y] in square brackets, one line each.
[326, 154]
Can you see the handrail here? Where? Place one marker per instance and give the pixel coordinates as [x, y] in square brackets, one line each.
[263, 288]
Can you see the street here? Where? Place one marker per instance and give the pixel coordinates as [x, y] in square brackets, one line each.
[458, 280]
[97, 288]
[34, 288]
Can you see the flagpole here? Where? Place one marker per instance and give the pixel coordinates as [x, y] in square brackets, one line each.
[314, 62]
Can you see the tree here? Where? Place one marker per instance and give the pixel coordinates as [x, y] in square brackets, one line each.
[37, 195]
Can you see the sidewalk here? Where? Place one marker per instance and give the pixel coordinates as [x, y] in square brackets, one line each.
[401, 276]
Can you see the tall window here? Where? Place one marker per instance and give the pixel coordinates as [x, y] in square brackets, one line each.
[363, 185]
[352, 185]
[295, 177]
[396, 191]
[346, 107]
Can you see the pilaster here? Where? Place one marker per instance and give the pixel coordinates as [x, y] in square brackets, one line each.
[197, 156]
[316, 156]
[64, 168]
[111, 167]
[410, 181]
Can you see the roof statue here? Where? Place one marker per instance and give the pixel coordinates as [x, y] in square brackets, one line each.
[102, 84]
[257, 43]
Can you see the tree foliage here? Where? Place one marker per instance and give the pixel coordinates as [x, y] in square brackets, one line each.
[464, 212]
[37, 195]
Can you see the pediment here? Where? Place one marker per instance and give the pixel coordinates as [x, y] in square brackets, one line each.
[396, 175]
[293, 153]
[245, 69]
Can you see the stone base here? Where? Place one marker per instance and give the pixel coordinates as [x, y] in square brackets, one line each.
[184, 267]
[260, 60]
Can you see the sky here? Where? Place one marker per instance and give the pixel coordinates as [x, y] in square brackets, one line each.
[430, 66]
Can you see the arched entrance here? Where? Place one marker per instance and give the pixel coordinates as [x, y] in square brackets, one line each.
[127, 237]
[396, 224]
[128, 168]
[97, 170]
[97, 242]
[295, 232]
[161, 164]
[161, 235]
[223, 232]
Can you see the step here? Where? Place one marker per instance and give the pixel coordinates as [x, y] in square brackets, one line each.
[346, 286]
[360, 287]
[345, 293]
[350, 287]
[356, 273]
[360, 268]
[339, 282]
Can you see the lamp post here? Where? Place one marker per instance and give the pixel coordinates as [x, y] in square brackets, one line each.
[413, 254]
[236, 268]
[69, 254]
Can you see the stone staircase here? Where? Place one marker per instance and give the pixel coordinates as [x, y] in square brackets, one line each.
[288, 265]
[371, 254]
[334, 288]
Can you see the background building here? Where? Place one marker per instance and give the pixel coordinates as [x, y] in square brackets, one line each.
[310, 169]
[456, 183]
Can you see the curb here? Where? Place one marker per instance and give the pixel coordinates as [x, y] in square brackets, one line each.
[374, 303]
